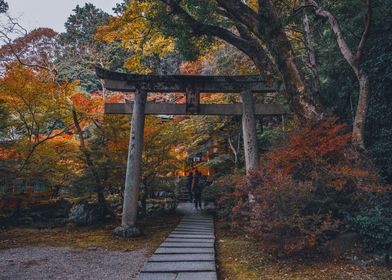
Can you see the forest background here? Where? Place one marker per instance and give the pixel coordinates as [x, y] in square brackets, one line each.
[324, 171]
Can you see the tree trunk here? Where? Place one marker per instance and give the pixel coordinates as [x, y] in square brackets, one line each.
[82, 145]
[354, 60]
[261, 30]
[296, 91]
[358, 136]
[235, 154]
[309, 43]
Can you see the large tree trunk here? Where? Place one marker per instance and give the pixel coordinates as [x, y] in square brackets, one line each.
[297, 91]
[354, 60]
[266, 26]
[358, 136]
[309, 43]
[255, 30]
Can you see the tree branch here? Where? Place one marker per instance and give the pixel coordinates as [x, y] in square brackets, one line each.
[246, 44]
[368, 19]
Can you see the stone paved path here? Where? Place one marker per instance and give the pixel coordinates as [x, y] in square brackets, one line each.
[188, 253]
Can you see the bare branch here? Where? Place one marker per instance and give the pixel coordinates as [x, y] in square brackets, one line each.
[368, 19]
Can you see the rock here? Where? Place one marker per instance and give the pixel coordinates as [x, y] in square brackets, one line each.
[39, 214]
[24, 221]
[156, 207]
[85, 214]
[127, 232]
[342, 244]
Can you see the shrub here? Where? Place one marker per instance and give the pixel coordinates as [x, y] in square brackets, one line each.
[273, 207]
[376, 227]
[210, 194]
[304, 189]
[225, 201]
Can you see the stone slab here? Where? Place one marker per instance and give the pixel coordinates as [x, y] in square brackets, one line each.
[189, 232]
[157, 276]
[197, 236]
[187, 253]
[178, 276]
[186, 245]
[209, 240]
[197, 218]
[202, 221]
[202, 231]
[197, 276]
[163, 250]
[209, 231]
[182, 257]
[179, 266]
[196, 226]
[197, 222]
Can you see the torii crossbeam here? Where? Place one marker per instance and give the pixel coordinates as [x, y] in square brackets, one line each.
[192, 86]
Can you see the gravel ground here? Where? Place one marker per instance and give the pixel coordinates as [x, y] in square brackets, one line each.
[67, 263]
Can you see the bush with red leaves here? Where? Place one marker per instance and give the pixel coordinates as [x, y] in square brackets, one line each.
[299, 198]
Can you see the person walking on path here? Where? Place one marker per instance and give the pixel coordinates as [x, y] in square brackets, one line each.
[189, 181]
[197, 189]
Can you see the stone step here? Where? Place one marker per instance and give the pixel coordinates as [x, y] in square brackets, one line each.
[179, 266]
[182, 257]
[187, 253]
[193, 232]
[196, 236]
[180, 240]
[163, 250]
[198, 218]
[200, 224]
[187, 245]
[178, 276]
[194, 228]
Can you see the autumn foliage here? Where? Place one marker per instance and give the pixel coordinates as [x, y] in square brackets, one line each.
[298, 199]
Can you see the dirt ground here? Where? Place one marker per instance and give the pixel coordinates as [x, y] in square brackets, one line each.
[69, 263]
[242, 259]
[79, 253]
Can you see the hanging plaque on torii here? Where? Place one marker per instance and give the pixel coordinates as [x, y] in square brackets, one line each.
[192, 102]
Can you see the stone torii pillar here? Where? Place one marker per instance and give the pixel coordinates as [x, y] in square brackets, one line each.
[128, 227]
[251, 149]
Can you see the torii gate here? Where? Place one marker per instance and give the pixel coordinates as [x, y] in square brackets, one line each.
[192, 86]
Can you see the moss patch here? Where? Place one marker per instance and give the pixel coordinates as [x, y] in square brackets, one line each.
[243, 259]
[155, 231]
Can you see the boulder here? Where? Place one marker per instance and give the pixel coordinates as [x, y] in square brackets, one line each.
[342, 244]
[160, 206]
[85, 214]
[39, 214]
[126, 232]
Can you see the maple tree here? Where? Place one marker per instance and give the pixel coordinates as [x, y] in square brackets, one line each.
[36, 49]
[138, 34]
[35, 118]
